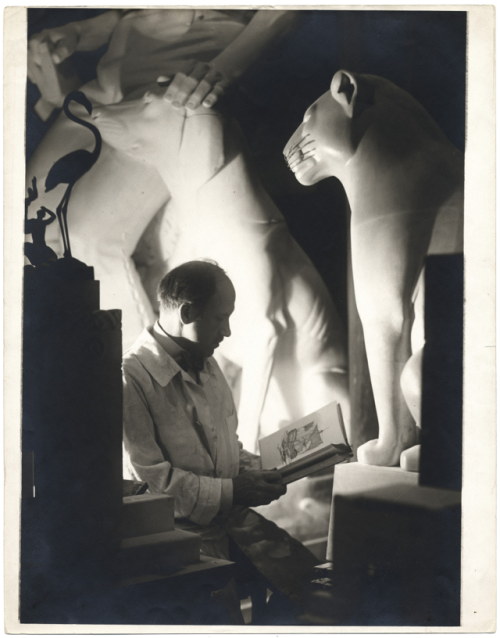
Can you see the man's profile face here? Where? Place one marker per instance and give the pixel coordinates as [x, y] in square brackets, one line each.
[212, 324]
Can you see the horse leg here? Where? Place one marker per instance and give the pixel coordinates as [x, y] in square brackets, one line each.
[320, 346]
[111, 206]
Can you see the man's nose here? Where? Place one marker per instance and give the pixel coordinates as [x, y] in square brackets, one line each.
[226, 329]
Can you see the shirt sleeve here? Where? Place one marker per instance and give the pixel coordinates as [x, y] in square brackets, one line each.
[196, 497]
[226, 501]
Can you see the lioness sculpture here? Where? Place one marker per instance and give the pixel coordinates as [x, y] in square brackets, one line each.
[404, 182]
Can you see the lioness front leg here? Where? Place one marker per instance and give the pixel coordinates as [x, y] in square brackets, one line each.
[386, 352]
[388, 254]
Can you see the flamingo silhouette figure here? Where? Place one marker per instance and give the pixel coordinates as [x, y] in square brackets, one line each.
[69, 169]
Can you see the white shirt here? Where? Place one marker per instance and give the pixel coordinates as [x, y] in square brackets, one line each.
[180, 436]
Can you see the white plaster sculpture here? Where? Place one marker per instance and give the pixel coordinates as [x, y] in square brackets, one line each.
[168, 145]
[404, 181]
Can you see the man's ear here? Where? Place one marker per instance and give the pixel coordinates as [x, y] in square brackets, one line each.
[344, 90]
[187, 313]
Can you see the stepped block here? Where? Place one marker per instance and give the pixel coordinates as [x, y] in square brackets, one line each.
[157, 552]
[355, 478]
[395, 548]
[146, 514]
[352, 478]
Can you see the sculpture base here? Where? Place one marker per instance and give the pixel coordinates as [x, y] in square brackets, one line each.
[356, 479]
[395, 549]
[157, 553]
[71, 434]
[146, 514]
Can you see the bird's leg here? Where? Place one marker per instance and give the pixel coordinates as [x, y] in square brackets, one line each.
[61, 225]
[67, 253]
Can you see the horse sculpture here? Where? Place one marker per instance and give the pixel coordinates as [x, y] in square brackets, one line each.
[287, 336]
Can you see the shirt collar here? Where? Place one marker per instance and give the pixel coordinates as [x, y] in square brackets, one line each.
[168, 344]
[157, 353]
[182, 357]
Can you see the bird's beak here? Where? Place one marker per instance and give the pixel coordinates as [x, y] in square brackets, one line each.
[88, 106]
[81, 98]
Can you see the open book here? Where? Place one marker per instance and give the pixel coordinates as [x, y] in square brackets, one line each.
[316, 441]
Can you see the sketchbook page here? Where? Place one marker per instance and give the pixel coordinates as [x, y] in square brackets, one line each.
[310, 433]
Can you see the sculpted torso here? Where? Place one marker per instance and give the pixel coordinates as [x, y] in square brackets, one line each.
[404, 183]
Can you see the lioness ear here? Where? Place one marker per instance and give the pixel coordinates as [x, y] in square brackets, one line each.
[344, 90]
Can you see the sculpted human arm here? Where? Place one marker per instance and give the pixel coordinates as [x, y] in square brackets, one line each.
[208, 81]
[51, 216]
[84, 35]
[261, 31]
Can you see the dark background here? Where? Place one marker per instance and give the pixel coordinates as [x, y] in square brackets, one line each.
[423, 52]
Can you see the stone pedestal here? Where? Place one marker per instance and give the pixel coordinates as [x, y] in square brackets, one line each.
[395, 548]
[157, 553]
[149, 544]
[146, 514]
[71, 436]
[355, 479]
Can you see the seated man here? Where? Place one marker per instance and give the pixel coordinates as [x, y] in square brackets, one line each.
[180, 432]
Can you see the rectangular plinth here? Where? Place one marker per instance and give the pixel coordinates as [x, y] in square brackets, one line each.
[356, 478]
[155, 553]
[146, 514]
[395, 548]
[353, 478]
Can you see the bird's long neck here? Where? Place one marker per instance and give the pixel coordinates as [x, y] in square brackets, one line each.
[90, 126]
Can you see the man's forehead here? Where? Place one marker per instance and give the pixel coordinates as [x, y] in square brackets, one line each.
[224, 285]
[224, 296]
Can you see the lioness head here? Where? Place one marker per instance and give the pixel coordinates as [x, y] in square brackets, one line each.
[356, 108]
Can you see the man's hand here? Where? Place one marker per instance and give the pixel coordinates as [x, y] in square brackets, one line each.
[258, 487]
[204, 85]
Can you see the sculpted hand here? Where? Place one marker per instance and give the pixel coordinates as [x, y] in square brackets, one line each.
[60, 43]
[204, 85]
[258, 487]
